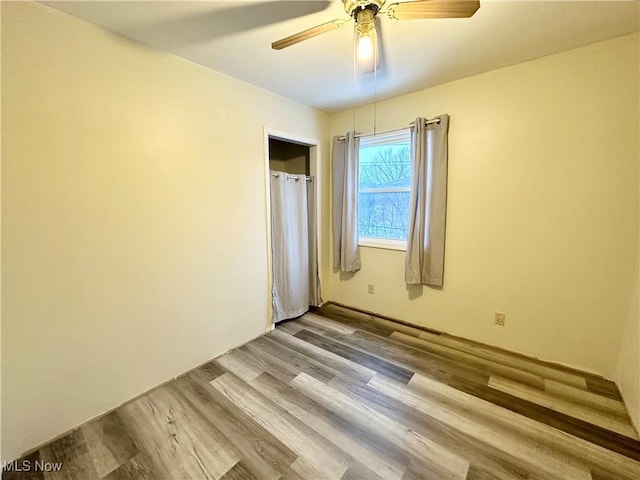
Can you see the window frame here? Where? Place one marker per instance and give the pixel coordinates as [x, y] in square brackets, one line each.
[373, 141]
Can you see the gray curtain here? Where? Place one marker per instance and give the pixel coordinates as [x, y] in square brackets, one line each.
[426, 236]
[346, 254]
[315, 296]
[289, 245]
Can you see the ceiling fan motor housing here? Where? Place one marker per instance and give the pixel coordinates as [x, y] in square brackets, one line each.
[352, 7]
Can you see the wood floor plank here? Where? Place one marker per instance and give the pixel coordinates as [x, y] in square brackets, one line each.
[592, 433]
[582, 450]
[133, 469]
[380, 322]
[501, 465]
[316, 327]
[610, 422]
[399, 327]
[600, 474]
[341, 432]
[585, 397]
[240, 364]
[340, 327]
[380, 366]
[567, 375]
[358, 471]
[305, 468]
[290, 326]
[477, 473]
[433, 455]
[491, 366]
[176, 439]
[238, 472]
[514, 361]
[430, 364]
[297, 362]
[330, 359]
[603, 387]
[67, 448]
[24, 468]
[370, 434]
[315, 453]
[347, 312]
[554, 465]
[108, 443]
[211, 370]
[71, 451]
[284, 373]
[79, 467]
[360, 321]
[262, 454]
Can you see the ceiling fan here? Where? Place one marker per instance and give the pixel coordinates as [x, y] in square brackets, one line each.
[364, 13]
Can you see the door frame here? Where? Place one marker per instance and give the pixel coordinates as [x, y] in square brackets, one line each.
[315, 169]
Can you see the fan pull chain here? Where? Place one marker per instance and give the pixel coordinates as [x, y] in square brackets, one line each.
[355, 62]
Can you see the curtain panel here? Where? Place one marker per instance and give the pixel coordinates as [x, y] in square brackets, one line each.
[289, 245]
[346, 253]
[315, 294]
[426, 235]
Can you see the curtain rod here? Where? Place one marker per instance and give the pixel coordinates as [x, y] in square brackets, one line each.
[427, 122]
[293, 177]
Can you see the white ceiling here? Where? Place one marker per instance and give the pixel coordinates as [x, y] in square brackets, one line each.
[234, 37]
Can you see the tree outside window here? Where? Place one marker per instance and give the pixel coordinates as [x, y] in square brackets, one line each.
[384, 187]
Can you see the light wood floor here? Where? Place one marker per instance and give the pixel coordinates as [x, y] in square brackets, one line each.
[339, 394]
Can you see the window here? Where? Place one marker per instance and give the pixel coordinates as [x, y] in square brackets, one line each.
[384, 190]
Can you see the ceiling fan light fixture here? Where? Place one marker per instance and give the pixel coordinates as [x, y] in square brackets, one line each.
[365, 47]
[367, 51]
[365, 29]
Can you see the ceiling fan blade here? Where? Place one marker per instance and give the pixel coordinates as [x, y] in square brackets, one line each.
[432, 9]
[307, 34]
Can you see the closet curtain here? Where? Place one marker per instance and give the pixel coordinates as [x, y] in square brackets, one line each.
[426, 235]
[346, 254]
[289, 245]
[315, 295]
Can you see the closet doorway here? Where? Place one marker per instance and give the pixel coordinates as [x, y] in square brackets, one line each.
[293, 213]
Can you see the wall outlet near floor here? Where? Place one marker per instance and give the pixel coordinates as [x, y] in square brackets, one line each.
[500, 318]
[370, 289]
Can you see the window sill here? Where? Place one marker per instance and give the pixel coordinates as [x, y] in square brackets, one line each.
[383, 243]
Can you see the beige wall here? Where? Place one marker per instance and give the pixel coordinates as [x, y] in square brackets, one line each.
[542, 218]
[133, 218]
[1, 456]
[627, 375]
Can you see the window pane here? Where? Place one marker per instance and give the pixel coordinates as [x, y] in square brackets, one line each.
[383, 215]
[385, 166]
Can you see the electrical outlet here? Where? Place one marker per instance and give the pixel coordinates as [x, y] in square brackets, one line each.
[370, 289]
[500, 318]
